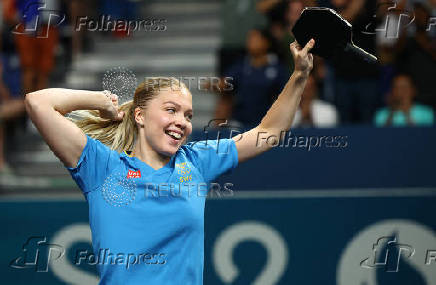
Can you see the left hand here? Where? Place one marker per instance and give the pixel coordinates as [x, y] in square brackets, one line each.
[303, 59]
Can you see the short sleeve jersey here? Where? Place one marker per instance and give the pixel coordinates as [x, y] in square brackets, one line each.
[148, 225]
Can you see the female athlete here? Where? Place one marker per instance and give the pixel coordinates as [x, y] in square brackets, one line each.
[136, 172]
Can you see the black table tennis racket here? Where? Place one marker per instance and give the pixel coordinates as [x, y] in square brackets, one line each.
[333, 34]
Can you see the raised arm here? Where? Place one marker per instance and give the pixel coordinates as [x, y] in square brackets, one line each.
[279, 117]
[47, 108]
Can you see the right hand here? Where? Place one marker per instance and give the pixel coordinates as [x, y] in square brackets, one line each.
[303, 59]
[112, 111]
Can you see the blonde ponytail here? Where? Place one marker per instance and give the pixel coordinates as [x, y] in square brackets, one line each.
[118, 135]
[121, 135]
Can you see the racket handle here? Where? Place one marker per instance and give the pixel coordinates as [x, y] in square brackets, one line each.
[366, 56]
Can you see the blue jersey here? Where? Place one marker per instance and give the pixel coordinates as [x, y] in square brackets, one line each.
[148, 225]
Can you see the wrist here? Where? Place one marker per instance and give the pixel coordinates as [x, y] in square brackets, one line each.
[104, 98]
[299, 76]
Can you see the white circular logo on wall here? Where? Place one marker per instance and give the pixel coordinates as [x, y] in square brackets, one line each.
[64, 269]
[369, 250]
[267, 236]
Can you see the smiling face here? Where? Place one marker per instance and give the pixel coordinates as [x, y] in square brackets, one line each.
[166, 120]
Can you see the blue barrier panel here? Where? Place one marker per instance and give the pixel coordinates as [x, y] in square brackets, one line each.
[317, 238]
[357, 157]
[321, 241]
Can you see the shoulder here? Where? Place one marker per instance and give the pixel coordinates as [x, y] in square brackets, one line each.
[100, 154]
[96, 145]
[207, 149]
[95, 164]
[195, 147]
[211, 157]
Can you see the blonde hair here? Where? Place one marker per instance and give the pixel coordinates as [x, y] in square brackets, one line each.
[121, 135]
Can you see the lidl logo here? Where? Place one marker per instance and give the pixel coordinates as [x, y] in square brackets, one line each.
[134, 174]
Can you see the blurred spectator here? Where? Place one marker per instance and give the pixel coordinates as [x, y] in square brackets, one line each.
[387, 26]
[258, 79]
[11, 103]
[10, 108]
[354, 81]
[319, 73]
[401, 111]
[282, 16]
[314, 112]
[125, 10]
[292, 13]
[10, 60]
[275, 11]
[36, 38]
[417, 55]
[79, 38]
[237, 17]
